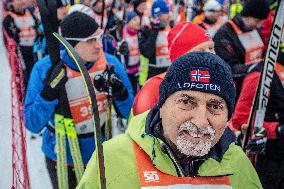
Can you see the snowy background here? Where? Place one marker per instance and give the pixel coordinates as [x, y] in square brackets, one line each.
[36, 164]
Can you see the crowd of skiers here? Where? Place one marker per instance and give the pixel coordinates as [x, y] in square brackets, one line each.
[184, 73]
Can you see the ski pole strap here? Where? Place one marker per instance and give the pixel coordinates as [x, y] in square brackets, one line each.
[60, 136]
[92, 99]
[74, 148]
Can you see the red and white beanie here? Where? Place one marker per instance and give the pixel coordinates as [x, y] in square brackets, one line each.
[185, 36]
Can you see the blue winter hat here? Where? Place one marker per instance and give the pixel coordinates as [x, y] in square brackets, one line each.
[200, 71]
[159, 7]
[130, 15]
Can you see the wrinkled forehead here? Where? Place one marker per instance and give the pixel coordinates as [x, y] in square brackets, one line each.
[196, 96]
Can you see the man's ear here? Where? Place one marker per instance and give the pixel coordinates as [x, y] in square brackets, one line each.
[161, 111]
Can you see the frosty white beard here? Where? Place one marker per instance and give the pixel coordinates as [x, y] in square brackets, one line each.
[191, 147]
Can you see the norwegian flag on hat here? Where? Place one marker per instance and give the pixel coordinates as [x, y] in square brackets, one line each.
[200, 75]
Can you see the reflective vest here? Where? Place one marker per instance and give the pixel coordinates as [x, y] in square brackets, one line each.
[25, 23]
[78, 98]
[252, 43]
[133, 49]
[162, 50]
[151, 178]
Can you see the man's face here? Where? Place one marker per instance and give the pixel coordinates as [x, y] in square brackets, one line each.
[87, 3]
[207, 46]
[99, 6]
[164, 18]
[142, 7]
[19, 6]
[215, 15]
[135, 23]
[194, 121]
[61, 13]
[90, 50]
[252, 22]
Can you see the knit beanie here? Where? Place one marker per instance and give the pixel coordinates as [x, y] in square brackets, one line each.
[136, 3]
[159, 7]
[130, 15]
[256, 8]
[185, 36]
[199, 71]
[78, 25]
[212, 5]
[82, 8]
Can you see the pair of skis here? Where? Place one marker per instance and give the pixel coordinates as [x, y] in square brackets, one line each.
[64, 125]
[92, 99]
[257, 114]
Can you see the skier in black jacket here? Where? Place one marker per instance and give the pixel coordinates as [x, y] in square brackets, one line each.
[153, 43]
[239, 43]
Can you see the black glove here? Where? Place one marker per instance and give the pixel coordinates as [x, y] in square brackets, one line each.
[54, 82]
[280, 132]
[108, 82]
[122, 47]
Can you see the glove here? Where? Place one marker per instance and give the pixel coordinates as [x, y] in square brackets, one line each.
[54, 82]
[108, 82]
[257, 144]
[280, 132]
[122, 47]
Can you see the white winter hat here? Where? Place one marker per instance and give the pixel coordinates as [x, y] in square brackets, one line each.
[81, 8]
[212, 5]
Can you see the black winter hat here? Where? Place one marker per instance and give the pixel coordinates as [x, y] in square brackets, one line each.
[200, 71]
[136, 3]
[78, 25]
[256, 8]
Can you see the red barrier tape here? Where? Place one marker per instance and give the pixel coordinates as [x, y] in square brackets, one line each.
[19, 159]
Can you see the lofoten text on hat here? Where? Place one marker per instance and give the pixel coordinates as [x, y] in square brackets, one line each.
[204, 86]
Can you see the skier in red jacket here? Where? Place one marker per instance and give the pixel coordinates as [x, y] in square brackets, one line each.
[270, 161]
[184, 37]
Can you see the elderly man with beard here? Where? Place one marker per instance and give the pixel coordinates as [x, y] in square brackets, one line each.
[183, 141]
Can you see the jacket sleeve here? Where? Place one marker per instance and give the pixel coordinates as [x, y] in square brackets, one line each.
[244, 105]
[90, 177]
[12, 31]
[122, 106]
[227, 50]
[37, 110]
[244, 174]
[147, 42]
[148, 96]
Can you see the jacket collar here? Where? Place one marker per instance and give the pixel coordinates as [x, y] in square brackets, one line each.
[71, 63]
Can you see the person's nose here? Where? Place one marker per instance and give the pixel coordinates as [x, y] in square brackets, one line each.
[200, 117]
[98, 44]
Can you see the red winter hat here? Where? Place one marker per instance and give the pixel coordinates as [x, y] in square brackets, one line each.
[185, 36]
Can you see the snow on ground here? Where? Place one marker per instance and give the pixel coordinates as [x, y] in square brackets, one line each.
[5, 119]
[37, 170]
